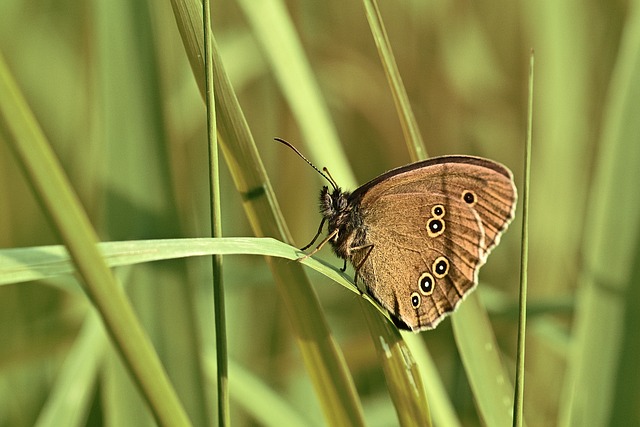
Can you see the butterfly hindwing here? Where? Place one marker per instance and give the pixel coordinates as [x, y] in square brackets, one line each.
[416, 250]
[430, 233]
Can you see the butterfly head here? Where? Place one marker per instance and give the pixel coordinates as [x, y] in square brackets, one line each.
[339, 210]
[343, 218]
[335, 207]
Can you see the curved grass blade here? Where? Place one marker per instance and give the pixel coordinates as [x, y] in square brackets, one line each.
[52, 187]
[42, 262]
[325, 364]
[440, 406]
[403, 379]
[408, 121]
[275, 31]
[24, 264]
[64, 405]
[610, 258]
[489, 393]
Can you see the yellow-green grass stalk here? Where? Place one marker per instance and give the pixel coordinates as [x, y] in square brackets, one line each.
[601, 388]
[474, 336]
[518, 419]
[325, 364]
[21, 130]
[274, 30]
[412, 135]
[222, 370]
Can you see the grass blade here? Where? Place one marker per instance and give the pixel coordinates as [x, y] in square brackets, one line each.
[42, 262]
[292, 70]
[488, 389]
[78, 373]
[610, 251]
[274, 30]
[439, 403]
[52, 187]
[524, 259]
[410, 129]
[403, 379]
[216, 225]
[326, 367]
[479, 351]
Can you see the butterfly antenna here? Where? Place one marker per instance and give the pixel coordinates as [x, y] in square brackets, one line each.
[333, 181]
[326, 176]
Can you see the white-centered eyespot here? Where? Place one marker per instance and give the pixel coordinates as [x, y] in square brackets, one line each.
[435, 227]
[440, 267]
[425, 283]
[415, 299]
[438, 211]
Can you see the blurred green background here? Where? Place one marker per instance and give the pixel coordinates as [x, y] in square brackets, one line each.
[111, 86]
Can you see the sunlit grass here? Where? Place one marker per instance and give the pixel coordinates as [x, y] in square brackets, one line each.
[119, 99]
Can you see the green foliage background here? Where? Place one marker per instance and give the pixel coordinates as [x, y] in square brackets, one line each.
[111, 86]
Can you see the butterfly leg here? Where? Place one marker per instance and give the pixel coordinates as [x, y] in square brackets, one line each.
[316, 236]
[368, 248]
[325, 240]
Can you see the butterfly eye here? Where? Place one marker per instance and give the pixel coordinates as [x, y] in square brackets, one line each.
[469, 197]
[415, 300]
[435, 227]
[441, 266]
[437, 211]
[425, 283]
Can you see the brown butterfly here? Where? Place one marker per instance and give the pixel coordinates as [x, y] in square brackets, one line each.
[418, 234]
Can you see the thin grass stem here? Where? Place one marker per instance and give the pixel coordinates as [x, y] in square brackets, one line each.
[524, 259]
[216, 226]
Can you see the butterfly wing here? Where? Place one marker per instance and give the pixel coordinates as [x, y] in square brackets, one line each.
[432, 225]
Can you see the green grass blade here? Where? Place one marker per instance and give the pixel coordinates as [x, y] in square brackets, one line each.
[42, 262]
[402, 376]
[274, 30]
[45, 262]
[442, 410]
[524, 257]
[611, 245]
[328, 372]
[262, 402]
[222, 377]
[61, 204]
[488, 394]
[627, 378]
[65, 406]
[403, 379]
[479, 351]
[412, 135]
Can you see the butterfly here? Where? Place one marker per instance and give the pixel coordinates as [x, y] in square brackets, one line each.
[418, 234]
